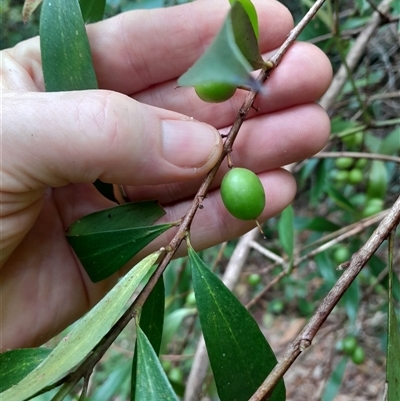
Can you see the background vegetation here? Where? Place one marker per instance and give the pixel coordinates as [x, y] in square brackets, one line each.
[339, 203]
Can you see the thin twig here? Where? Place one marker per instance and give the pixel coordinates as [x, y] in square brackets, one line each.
[354, 55]
[357, 155]
[304, 339]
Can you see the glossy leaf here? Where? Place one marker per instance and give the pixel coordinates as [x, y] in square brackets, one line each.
[321, 224]
[116, 385]
[151, 322]
[84, 336]
[17, 363]
[286, 230]
[92, 10]
[393, 347]
[223, 61]
[377, 180]
[245, 37]
[173, 321]
[128, 215]
[376, 265]
[240, 356]
[152, 384]
[351, 299]
[104, 241]
[251, 13]
[340, 199]
[391, 143]
[66, 58]
[318, 187]
[335, 381]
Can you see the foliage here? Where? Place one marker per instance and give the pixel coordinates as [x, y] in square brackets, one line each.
[340, 198]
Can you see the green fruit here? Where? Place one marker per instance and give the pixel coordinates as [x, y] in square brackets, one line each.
[254, 279]
[340, 175]
[215, 92]
[349, 345]
[353, 140]
[166, 364]
[191, 299]
[375, 202]
[176, 375]
[276, 306]
[358, 355]
[355, 176]
[243, 194]
[343, 163]
[361, 163]
[341, 255]
[371, 209]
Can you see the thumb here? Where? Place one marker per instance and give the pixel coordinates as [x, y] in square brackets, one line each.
[59, 138]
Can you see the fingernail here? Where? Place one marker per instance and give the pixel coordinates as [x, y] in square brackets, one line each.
[189, 144]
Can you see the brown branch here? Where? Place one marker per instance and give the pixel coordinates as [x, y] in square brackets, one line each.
[354, 55]
[327, 241]
[304, 339]
[357, 155]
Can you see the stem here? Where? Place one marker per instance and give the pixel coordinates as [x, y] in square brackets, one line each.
[304, 339]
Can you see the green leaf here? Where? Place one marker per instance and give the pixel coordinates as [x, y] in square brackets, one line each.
[377, 180]
[223, 61]
[87, 332]
[321, 224]
[376, 266]
[340, 199]
[17, 363]
[66, 58]
[151, 322]
[152, 383]
[335, 381]
[351, 299]
[286, 230]
[391, 144]
[240, 356]
[319, 184]
[393, 347]
[104, 241]
[128, 215]
[92, 10]
[251, 13]
[116, 385]
[172, 323]
[245, 36]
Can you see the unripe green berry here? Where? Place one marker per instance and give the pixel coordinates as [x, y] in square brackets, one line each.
[243, 194]
[215, 92]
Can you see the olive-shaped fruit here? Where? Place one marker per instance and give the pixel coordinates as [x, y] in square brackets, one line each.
[343, 163]
[355, 176]
[243, 194]
[215, 92]
[358, 355]
[349, 345]
[341, 255]
[254, 279]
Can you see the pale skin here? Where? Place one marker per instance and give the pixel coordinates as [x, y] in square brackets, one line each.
[141, 132]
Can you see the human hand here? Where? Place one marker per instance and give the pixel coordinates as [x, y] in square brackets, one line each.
[135, 132]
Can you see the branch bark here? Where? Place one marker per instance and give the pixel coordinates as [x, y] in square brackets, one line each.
[354, 55]
[304, 339]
